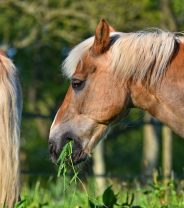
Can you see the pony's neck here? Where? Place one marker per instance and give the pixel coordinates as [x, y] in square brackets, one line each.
[165, 102]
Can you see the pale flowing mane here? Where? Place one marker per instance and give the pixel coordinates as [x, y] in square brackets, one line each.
[133, 55]
[141, 54]
[70, 63]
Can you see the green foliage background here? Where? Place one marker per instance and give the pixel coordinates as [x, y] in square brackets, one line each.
[38, 34]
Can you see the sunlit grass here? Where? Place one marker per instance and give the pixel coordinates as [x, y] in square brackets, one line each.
[70, 192]
[52, 196]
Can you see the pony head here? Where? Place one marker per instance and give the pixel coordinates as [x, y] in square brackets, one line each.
[94, 99]
[110, 73]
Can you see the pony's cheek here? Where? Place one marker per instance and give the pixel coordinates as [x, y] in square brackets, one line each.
[104, 106]
[105, 113]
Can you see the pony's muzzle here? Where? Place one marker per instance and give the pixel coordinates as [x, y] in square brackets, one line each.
[53, 150]
[56, 145]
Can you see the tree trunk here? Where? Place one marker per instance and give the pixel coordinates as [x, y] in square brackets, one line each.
[150, 147]
[99, 166]
[170, 23]
[166, 152]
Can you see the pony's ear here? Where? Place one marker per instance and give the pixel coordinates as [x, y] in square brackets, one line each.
[102, 39]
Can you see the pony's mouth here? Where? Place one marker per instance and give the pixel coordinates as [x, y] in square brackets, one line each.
[77, 157]
[68, 149]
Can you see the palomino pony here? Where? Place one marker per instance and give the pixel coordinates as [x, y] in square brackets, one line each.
[111, 73]
[10, 116]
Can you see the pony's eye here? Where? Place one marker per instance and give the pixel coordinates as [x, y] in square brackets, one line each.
[77, 84]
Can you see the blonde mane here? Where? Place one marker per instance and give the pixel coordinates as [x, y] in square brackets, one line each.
[70, 63]
[10, 118]
[133, 55]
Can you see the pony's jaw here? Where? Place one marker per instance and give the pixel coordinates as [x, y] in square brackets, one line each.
[85, 133]
[90, 145]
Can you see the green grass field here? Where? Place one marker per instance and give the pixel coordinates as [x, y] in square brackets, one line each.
[73, 192]
[53, 195]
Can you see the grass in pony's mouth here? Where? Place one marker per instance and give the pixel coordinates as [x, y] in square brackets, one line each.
[66, 167]
[66, 164]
